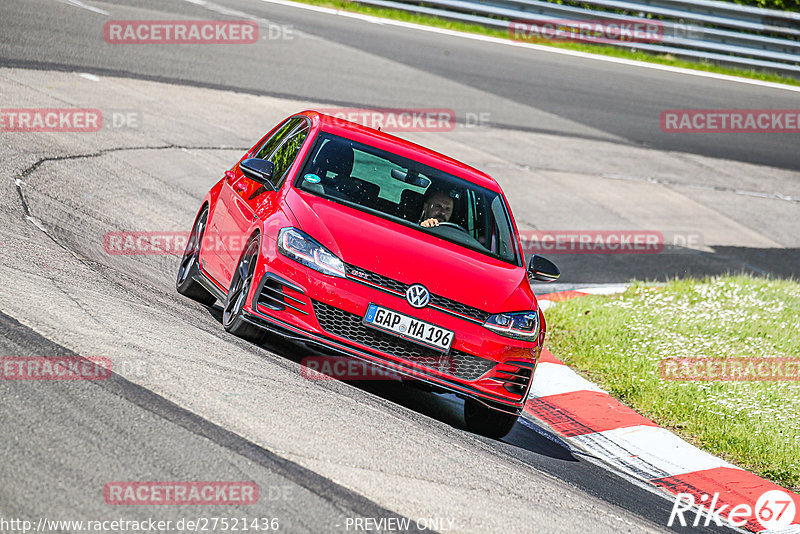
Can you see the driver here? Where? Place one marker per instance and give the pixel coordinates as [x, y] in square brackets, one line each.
[438, 208]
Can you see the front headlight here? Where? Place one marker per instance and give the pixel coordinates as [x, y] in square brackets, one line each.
[517, 325]
[304, 249]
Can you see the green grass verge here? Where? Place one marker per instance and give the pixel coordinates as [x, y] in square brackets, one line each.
[437, 22]
[618, 342]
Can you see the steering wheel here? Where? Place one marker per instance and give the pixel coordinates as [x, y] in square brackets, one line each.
[452, 225]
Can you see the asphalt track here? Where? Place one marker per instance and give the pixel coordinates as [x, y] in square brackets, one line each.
[190, 402]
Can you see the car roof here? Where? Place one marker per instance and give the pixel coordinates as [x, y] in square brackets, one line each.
[401, 147]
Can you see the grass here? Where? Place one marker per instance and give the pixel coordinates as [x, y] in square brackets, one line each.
[664, 59]
[618, 342]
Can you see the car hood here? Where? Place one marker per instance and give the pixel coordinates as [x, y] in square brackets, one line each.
[409, 256]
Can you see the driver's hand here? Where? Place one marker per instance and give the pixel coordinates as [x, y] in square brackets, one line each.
[428, 223]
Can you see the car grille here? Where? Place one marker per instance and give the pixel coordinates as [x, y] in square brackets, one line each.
[349, 326]
[399, 288]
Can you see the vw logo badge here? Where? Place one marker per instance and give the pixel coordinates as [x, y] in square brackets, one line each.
[418, 296]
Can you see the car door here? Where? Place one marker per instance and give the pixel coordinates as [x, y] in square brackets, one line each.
[248, 200]
[215, 258]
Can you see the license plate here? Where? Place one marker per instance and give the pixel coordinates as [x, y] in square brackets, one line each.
[409, 328]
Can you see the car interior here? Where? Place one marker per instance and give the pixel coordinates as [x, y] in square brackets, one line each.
[348, 172]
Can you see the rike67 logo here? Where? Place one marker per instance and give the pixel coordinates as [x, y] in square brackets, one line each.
[774, 510]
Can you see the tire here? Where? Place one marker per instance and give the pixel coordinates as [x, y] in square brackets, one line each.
[233, 309]
[487, 421]
[185, 283]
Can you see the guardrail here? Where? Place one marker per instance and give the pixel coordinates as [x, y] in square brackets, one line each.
[706, 30]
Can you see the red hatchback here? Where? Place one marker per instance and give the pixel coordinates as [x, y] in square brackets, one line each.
[362, 243]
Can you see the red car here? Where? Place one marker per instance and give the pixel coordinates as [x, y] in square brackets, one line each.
[370, 246]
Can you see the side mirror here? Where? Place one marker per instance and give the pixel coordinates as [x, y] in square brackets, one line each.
[258, 170]
[542, 270]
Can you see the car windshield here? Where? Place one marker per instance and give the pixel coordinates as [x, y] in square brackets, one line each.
[408, 192]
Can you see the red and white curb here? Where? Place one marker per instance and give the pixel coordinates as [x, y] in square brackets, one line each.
[591, 420]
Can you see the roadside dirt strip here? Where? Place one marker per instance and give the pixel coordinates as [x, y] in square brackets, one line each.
[589, 419]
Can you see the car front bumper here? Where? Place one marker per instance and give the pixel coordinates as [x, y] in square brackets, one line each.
[299, 303]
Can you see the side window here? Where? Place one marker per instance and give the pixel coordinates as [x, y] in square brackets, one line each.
[506, 246]
[471, 213]
[285, 155]
[273, 142]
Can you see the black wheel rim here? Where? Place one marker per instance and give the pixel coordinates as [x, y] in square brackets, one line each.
[192, 251]
[240, 285]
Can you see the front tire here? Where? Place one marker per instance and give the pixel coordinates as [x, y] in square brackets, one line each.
[186, 283]
[233, 310]
[486, 421]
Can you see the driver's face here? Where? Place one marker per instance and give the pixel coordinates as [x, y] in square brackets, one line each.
[439, 207]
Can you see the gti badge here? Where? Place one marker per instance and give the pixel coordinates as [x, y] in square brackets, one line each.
[418, 296]
[358, 273]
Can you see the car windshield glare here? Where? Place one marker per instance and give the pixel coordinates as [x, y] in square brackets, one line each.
[409, 193]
